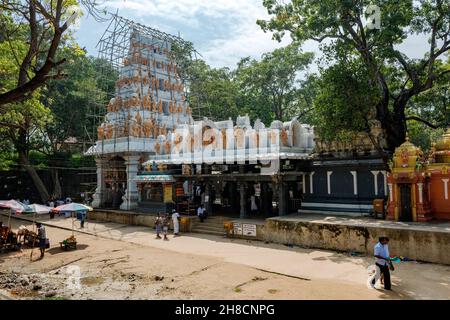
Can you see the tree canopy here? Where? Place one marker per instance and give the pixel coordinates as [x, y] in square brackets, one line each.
[342, 29]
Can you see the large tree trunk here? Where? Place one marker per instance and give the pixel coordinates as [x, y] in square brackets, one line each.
[40, 186]
[393, 122]
[395, 131]
[57, 190]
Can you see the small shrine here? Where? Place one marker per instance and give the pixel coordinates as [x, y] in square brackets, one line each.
[438, 170]
[409, 198]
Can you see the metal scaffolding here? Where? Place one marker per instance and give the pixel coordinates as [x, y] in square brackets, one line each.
[113, 47]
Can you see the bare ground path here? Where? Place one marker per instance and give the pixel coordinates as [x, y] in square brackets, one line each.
[126, 262]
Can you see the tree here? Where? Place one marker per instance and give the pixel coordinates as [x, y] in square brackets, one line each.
[343, 100]
[432, 107]
[19, 120]
[339, 26]
[272, 84]
[84, 83]
[23, 119]
[210, 91]
[45, 23]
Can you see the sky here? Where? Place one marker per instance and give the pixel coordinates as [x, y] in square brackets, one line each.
[222, 31]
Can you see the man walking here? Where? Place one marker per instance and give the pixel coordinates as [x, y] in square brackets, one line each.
[158, 225]
[82, 218]
[42, 238]
[383, 262]
[176, 223]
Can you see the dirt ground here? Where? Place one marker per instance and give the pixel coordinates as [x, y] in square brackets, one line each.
[124, 262]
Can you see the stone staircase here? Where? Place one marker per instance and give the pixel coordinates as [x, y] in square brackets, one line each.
[213, 225]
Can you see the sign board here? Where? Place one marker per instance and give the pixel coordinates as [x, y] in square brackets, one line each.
[237, 228]
[168, 198]
[249, 230]
[206, 198]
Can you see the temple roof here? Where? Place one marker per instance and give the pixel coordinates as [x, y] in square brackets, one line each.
[443, 143]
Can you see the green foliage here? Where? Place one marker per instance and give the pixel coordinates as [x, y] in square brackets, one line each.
[422, 136]
[341, 28]
[212, 92]
[75, 99]
[344, 100]
[270, 87]
[40, 124]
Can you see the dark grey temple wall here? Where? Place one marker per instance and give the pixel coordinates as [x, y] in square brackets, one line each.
[344, 185]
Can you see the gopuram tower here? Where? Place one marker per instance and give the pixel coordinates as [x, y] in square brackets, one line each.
[149, 103]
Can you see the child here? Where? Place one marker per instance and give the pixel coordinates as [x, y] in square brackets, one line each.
[158, 225]
[165, 225]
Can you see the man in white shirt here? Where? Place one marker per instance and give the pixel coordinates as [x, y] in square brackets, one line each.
[176, 223]
[201, 212]
[381, 253]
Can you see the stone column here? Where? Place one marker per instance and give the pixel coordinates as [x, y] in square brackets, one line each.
[264, 201]
[99, 195]
[243, 203]
[282, 204]
[130, 198]
[208, 204]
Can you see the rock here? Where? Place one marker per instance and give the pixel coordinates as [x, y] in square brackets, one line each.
[50, 294]
[159, 278]
[37, 287]
[24, 282]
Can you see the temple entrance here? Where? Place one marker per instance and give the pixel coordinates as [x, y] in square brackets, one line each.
[405, 213]
[115, 182]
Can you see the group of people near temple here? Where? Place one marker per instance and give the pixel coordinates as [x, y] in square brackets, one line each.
[162, 222]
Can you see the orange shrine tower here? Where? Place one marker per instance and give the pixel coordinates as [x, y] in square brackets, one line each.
[408, 185]
[438, 170]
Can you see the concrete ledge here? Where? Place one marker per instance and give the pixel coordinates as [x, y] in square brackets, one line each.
[133, 218]
[419, 244]
[336, 213]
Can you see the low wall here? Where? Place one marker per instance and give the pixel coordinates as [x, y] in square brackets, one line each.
[134, 219]
[422, 245]
[428, 246]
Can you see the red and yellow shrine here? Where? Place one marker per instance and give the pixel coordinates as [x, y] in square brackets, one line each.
[408, 185]
[438, 170]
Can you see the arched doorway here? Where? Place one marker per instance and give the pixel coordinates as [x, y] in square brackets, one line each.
[115, 176]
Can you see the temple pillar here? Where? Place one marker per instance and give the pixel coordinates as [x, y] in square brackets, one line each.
[130, 198]
[282, 203]
[264, 199]
[243, 203]
[208, 204]
[99, 195]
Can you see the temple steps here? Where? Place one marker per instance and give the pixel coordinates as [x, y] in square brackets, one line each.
[212, 225]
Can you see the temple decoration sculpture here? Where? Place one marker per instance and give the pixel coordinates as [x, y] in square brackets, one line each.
[356, 143]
